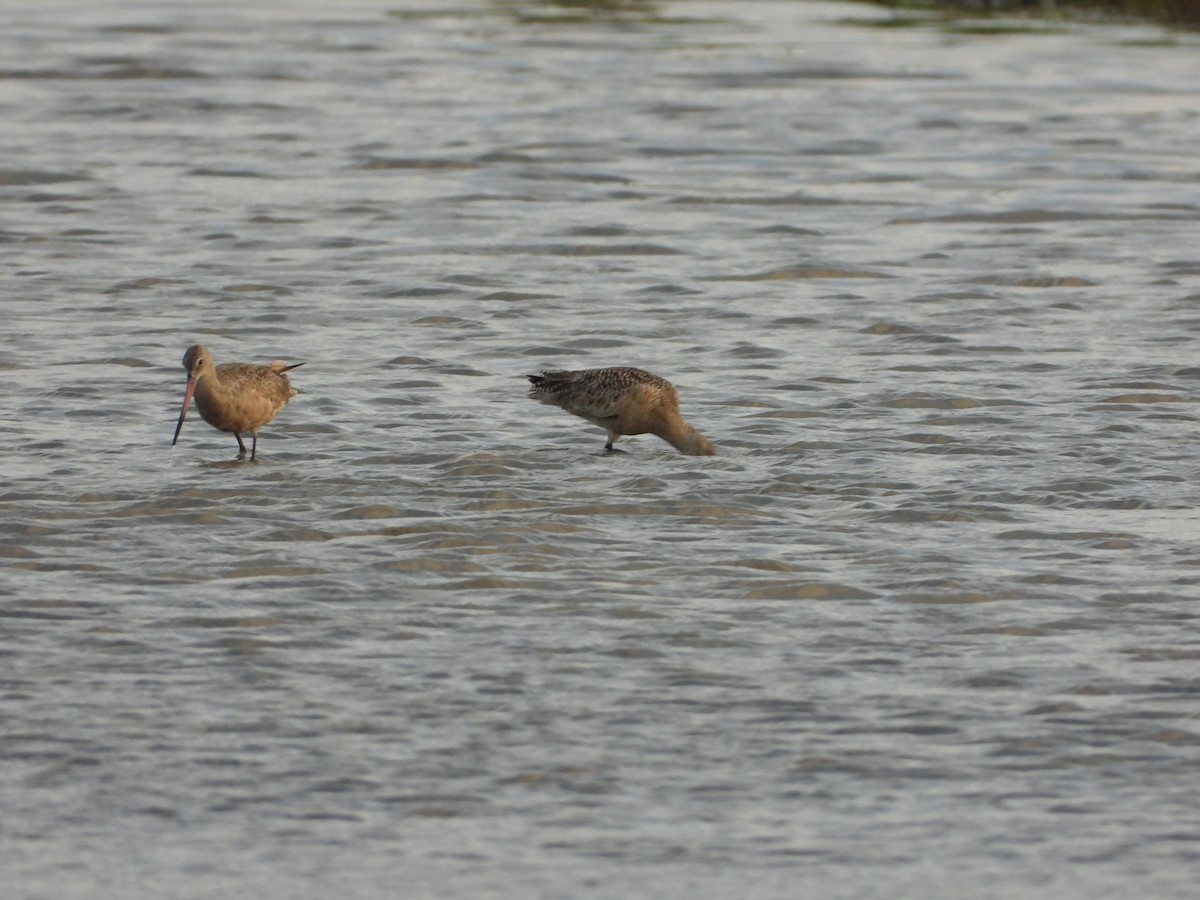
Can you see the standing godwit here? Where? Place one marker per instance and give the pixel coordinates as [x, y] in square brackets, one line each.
[622, 400]
[234, 397]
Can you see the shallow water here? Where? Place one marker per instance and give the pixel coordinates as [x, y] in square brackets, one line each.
[925, 627]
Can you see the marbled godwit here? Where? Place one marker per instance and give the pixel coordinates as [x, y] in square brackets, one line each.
[622, 401]
[234, 397]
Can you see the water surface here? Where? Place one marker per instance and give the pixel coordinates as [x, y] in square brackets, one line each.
[925, 627]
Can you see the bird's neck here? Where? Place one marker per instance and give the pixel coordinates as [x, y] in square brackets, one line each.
[684, 438]
[208, 386]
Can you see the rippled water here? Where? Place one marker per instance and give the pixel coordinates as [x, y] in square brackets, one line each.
[925, 627]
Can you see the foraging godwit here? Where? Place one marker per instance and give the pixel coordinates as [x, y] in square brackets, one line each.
[234, 397]
[622, 400]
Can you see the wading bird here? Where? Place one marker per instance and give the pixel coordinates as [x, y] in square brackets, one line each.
[622, 401]
[234, 397]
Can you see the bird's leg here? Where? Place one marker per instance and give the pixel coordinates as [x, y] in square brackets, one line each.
[608, 447]
[254, 446]
[241, 446]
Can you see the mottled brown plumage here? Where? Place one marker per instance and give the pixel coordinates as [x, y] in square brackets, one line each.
[234, 397]
[622, 400]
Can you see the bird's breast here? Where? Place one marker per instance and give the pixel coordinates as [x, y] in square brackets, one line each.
[237, 408]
